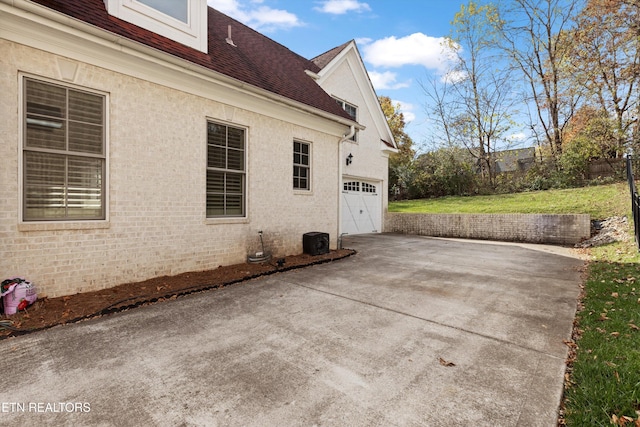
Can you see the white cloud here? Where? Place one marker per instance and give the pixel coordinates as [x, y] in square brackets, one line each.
[387, 80]
[406, 109]
[258, 17]
[361, 41]
[517, 137]
[340, 7]
[414, 49]
[454, 76]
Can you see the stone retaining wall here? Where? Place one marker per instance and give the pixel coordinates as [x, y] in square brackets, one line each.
[530, 228]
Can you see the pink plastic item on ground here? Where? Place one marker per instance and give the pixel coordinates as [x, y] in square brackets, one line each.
[17, 294]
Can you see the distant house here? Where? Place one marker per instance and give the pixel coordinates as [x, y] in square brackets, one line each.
[520, 159]
[141, 141]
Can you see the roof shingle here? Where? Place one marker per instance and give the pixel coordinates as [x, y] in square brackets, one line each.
[255, 59]
[323, 59]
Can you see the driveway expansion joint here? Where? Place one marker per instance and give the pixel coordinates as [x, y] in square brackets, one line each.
[423, 319]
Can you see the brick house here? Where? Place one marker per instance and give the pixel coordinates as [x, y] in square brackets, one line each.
[143, 138]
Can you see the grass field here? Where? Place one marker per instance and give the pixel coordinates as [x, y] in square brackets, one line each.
[598, 201]
[603, 385]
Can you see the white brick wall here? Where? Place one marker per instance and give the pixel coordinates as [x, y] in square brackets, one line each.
[156, 186]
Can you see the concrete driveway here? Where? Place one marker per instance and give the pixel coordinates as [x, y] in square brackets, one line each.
[411, 331]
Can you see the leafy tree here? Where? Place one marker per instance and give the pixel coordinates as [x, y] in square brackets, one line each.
[535, 38]
[472, 105]
[605, 59]
[402, 172]
[483, 100]
[589, 135]
[396, 122]
[447, 171]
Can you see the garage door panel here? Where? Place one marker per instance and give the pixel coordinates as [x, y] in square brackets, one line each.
[361, 207]
[372, 207]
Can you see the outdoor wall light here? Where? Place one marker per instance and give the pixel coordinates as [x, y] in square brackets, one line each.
[349, 159]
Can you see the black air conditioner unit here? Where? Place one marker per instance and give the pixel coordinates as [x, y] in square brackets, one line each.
[315, 243]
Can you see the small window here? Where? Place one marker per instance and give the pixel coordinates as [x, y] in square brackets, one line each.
[368, 188]
[184, 21]
[301, 165]
[178, 9]
[63, 153]
[226, 171]
[351, 186]
[352, 110]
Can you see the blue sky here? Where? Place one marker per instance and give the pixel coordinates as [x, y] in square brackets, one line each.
[399, 40]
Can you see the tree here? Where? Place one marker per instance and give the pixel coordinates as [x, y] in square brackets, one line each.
[605, 59]
[481, 104]
[535, 38]
[402, 173]
[395, 120]
[589, 135]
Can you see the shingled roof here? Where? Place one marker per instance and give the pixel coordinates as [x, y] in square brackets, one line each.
[255, 59]
[323, 60]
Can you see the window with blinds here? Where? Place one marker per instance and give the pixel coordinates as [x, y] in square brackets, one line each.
[63, 153]
[226, 173]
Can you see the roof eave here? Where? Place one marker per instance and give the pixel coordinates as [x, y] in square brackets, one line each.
[156, 55]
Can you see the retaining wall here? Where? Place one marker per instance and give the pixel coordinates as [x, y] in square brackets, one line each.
[530, 228]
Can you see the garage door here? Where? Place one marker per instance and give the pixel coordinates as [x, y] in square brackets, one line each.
[361, 207]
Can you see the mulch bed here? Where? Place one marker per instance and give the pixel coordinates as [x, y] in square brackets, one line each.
[48, 312]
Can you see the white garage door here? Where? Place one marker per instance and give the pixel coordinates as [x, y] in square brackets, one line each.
[361, 207]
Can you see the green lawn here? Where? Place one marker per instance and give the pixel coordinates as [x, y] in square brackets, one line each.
[598, 201]
[603, 387]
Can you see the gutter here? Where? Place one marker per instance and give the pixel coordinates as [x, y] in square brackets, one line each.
[352, 131]
[159, 56]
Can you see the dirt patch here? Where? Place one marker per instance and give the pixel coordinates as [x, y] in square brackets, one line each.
[48, 312]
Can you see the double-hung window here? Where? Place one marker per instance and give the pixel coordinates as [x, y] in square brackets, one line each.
[301, 165]
[63, 153]
[226, 173]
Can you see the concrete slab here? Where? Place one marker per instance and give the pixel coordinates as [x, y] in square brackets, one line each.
[411, 331]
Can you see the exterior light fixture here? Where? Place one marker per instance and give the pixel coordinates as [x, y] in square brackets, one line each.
[349, 159]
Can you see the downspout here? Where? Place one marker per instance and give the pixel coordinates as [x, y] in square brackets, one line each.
[352, 131]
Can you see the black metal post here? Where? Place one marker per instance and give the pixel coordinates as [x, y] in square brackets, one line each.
[635, 200]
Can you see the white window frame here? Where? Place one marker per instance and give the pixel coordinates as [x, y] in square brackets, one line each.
[153, 10]
[243, 173]
[65, 222]
[192, 33]
[297, 166]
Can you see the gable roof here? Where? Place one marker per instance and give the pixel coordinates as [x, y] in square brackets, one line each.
[324, 59]
[329, 61]
[255, 59]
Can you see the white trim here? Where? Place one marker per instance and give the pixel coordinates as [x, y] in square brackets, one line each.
[192, 33]
[302, 191]
[379, 185]
[352, 57]
[228, 218]
[59, 224]
[39, 27]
